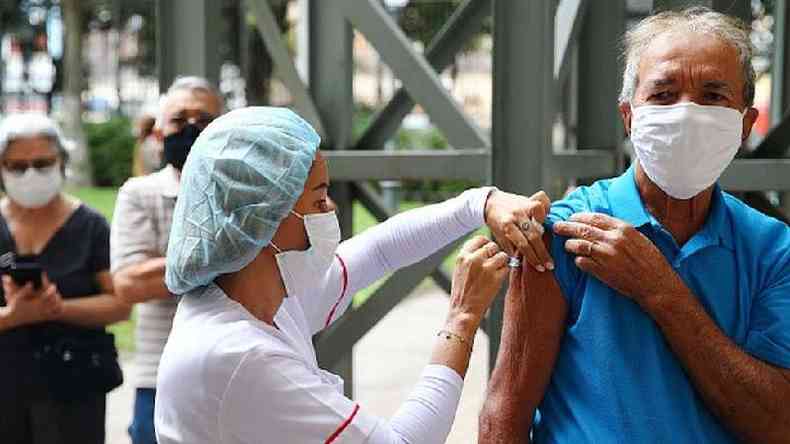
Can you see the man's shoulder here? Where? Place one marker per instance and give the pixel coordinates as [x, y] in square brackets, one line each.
[762, 233]
[149, 184]
[589, 198]
[746, 215]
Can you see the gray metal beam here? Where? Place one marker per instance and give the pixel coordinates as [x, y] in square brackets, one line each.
[757, 175]
[283, 64]
[422, 82]
[523, 108]
[410, 164]
[351, 328]
[187, 41]
[570, 16]
[600, 76]
[780, 87]
[330, 74]
[465, 22]
[355, 165]
[584, 163]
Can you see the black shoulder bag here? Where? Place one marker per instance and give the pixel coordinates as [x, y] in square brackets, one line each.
[79, 363]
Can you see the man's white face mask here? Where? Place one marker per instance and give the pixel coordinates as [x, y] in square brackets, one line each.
[302, 270]
[684, 148]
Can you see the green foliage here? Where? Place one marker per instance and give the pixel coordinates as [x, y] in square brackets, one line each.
[110, 148]
[421, 21]
[100, 199]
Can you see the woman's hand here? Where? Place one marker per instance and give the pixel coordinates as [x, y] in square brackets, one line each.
[27, 305]
[517, 224]
[480, 269]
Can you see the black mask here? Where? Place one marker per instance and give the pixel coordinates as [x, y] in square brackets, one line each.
[177, 145]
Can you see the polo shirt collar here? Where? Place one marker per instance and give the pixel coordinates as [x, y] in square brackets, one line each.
[169, 181]
[627, 205]
[717, 228]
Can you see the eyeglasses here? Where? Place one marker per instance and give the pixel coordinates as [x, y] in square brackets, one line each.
[19, 167]
[201, 121]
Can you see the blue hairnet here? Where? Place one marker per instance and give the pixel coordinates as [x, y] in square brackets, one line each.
[243, 175]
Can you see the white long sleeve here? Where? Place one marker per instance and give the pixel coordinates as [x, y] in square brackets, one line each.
[401, 240]
[428, 414]
[410, 237]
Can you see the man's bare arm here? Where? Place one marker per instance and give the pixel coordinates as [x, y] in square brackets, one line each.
[142, 281]
[533, 325]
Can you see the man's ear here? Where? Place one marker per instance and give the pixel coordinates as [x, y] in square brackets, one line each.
[625, 114]
[749, 120]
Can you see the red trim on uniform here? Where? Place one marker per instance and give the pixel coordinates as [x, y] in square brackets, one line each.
[343, 426]
[342, 292]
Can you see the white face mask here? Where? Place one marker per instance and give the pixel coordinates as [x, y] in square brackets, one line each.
[684, 148]
[35, 187]
[301, 270]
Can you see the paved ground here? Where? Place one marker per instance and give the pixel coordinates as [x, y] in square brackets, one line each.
[388, 362]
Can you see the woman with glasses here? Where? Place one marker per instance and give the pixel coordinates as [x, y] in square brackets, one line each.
[56, 296]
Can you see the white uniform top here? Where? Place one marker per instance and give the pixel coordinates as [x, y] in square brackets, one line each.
[226, 377]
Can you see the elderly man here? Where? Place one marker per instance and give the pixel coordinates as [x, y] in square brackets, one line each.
[140, 232]
[667, 318]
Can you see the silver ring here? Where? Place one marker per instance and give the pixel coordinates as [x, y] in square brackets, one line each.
[514, 262]
[525, 225]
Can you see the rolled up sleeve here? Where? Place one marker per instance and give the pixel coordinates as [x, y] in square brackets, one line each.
[133, 235]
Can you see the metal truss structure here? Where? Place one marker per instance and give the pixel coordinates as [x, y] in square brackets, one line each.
[550, 58]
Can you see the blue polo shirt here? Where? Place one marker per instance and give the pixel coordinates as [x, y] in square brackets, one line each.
[616, 380]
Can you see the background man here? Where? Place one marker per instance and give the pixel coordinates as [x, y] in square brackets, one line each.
[140, 232]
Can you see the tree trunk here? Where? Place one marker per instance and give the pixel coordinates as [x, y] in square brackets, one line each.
[71, 119]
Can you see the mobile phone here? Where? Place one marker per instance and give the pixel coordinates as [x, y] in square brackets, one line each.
[24, 272]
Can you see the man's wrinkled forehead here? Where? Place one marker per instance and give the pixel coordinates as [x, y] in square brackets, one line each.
[190, 101]
[674, 57]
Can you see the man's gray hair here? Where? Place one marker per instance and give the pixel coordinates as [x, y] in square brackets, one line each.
[193, 83]
[696, 20]
[30, 125]
[189, 83]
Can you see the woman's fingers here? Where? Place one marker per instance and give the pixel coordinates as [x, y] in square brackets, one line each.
[519, 240]
[497, 261]
[474, 244]
[539, 212]
[535, 238]
[8, 285]
[532, 247]
[26, 291]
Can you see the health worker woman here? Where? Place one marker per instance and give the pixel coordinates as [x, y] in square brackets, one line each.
[255, 253]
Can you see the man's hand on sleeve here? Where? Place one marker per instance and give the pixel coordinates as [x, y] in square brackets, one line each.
[620, 256]
[517, 224]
